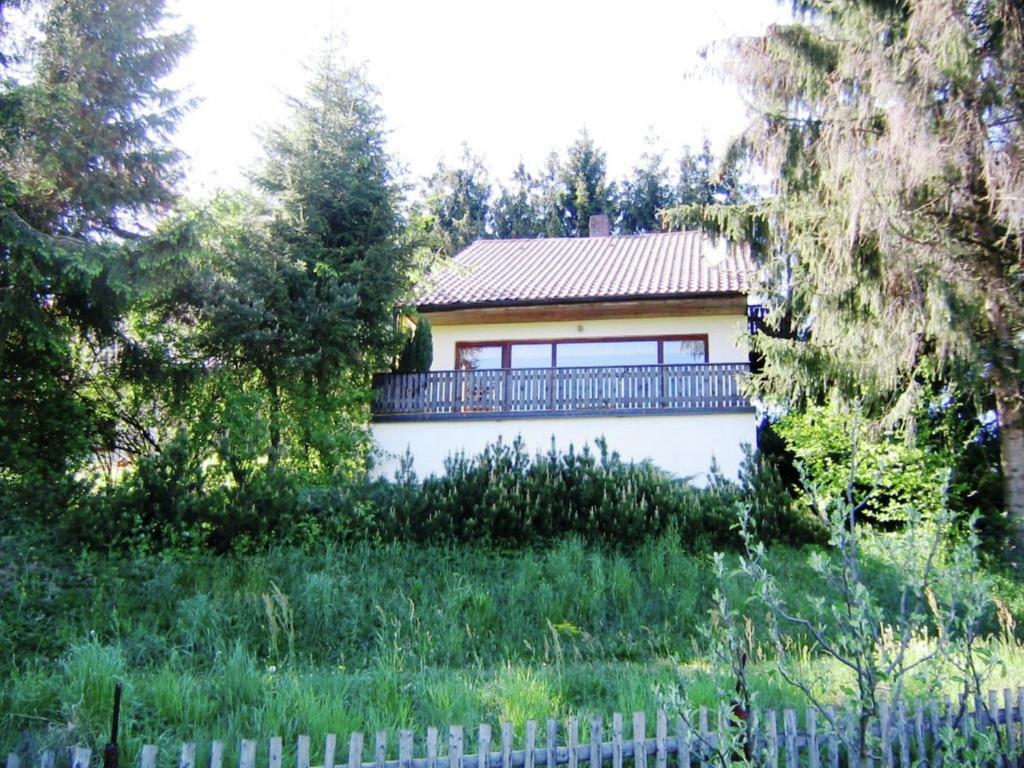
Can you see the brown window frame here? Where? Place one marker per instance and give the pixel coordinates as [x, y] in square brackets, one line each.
[506, 346]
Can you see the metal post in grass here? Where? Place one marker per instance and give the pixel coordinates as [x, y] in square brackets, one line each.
[110, 754]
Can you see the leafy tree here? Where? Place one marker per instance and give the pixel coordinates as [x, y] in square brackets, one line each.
[458, 199]
[517, 211]
[294, 292]
[644, 195]
[84, 161]
[892, 132]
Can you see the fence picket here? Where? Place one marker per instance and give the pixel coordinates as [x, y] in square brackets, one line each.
[506, 745]
[80, 757]
[833, 738]
[13, 761]
[574, 742]
[683, 742]
[902, 735]
[789, 726]
[330, 745]
[274, 752]
[1011, 729]
[188, 755]
[148, 757]
[884, 723]
[596, 737]
[705, 742]
[530, 758]
[660, 741]
[406, 744]
[246, 753]
[639, 740]
[1020, 712]
[852, 740]
[380, 749]
[46, 760]
[355, 750]
[431, 748]
[617, 740]
[217, 755]
[933, 719]
[455, 744]
[813, 754]
[302, 752]
[919, 743]
[483, 740]
[771, 739]
[552, 742]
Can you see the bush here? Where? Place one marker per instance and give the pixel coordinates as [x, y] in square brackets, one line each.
[504, 497]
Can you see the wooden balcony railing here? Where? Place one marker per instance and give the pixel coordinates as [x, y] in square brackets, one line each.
[618, 389]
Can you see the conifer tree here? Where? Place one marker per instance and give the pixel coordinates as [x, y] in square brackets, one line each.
[517, 209]
[459, 202]
[894, 135]
[645, 194]
[85, 164]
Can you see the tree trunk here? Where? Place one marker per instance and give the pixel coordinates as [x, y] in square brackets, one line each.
[1011, 456]
[1010, 410]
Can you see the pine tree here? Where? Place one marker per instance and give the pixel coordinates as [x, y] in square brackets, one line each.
[644, 195]
[299, 288]
[584, 189]
[517, 209]
[85, 162]
[458, 200]
[893, 132]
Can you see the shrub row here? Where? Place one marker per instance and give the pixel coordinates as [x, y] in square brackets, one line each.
[503, 497]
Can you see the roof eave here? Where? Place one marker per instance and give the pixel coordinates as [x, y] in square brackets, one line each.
[454, 306]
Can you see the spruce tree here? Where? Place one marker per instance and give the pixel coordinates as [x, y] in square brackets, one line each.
[85, 163]
[459, 202]
[894, 136]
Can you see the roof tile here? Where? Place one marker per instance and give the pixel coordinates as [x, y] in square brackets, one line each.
[545, 270]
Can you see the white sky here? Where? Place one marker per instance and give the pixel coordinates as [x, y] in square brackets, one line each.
[513, 80]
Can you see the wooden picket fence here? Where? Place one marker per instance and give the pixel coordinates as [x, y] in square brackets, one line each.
[905, 737]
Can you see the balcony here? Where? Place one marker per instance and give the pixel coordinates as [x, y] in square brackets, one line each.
[618, 390]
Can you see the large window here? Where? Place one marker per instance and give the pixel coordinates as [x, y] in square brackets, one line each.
[571, 353]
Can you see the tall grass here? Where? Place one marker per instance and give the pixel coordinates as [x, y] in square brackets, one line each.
[364, 638]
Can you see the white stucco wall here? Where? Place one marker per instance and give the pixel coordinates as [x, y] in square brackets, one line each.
[681, 444]
[726, 333]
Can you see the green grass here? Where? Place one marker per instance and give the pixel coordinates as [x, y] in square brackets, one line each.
[353, 638]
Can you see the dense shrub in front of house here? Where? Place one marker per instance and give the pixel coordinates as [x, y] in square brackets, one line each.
[505, 496]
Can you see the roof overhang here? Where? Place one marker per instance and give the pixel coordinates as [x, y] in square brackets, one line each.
[581, 309]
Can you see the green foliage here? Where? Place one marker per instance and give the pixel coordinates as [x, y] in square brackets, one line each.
[85, 157]
[516, 208]
[407, 635]
[582, 187]
[890, 473]
[418, 353]
[644, 195]
[458, 202]
[891, 133]
[506, 497]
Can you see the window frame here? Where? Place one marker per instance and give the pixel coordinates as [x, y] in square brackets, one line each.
[506, 347]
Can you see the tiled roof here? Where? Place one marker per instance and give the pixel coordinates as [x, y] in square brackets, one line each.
[541, 271]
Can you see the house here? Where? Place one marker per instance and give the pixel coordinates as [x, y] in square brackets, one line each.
[639, 339]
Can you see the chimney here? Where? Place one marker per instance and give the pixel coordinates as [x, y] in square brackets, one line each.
[600, 225]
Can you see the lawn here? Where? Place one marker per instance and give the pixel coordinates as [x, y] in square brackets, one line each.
[378, 637]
